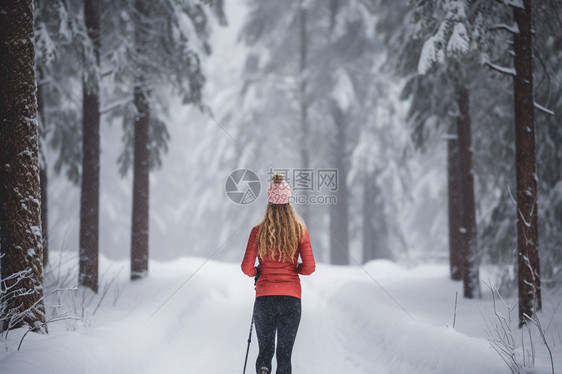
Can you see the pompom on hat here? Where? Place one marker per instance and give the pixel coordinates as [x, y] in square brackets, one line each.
[279, 191]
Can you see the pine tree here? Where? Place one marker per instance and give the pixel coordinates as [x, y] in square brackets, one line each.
[164, 53]
[522, 73]
[89, 197]
[139, 230]
[452, 40]
[20, 196]
[432, 120]
[48, 29]
[454, 209]
[59, 64]
[467, 235]
[59, 38]
[526, 165]
[490, 23]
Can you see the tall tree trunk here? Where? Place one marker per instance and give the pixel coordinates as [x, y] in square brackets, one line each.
[20, 197]
[339, 235]
[455, 250]
[303, 99]
[89, 198]
[139, 231]
[471, 282]
[369, 234]
[526, 174]
[42, 117]
[375, 230]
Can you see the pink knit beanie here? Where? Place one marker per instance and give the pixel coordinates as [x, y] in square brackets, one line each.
[278, 191]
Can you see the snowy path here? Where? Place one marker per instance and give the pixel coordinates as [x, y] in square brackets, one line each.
[349, 325]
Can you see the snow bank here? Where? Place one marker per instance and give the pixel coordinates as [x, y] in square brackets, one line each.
[427, 348]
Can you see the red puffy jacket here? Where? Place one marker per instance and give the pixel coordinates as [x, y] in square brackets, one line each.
[278, 278]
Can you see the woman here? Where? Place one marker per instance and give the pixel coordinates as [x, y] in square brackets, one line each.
[278, 241]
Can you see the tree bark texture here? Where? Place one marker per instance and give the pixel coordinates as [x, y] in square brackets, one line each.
[89, 197]
[140, 218]
[471, 282]
[526, 170]
[455, 250]
[20, 195]
[42, 117]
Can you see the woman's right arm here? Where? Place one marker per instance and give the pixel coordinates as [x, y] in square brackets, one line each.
[308, 265]
[248, 264]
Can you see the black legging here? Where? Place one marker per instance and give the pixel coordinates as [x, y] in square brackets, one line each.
[281, 314]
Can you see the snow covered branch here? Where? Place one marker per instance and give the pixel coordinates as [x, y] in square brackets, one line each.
[10, 287]
[115, 105]
[431, 53]
[44, 81]
[502, 26]
[501, 69]
[450, 40]
[543, 109]
[512, 3]
[106, 73]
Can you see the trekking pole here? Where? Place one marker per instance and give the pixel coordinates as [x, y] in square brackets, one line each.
[252, 324]
[248, 348]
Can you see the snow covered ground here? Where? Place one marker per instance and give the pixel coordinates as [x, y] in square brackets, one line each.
[349, 324]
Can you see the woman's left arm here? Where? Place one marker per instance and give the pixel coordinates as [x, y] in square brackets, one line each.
[248, 264]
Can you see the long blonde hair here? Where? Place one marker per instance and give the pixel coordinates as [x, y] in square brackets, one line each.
[280, 232]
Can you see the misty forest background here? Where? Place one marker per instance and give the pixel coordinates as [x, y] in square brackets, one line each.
[145, 107]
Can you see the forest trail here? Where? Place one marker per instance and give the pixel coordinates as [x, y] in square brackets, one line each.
[349, 325]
